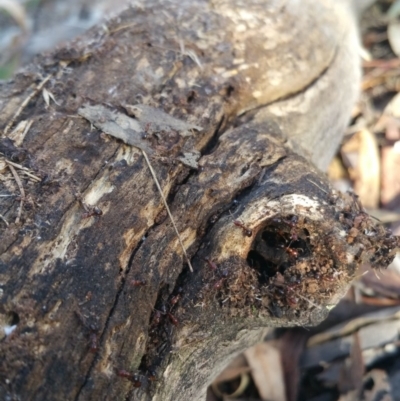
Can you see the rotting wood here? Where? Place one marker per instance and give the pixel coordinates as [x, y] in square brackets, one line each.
[79, 326]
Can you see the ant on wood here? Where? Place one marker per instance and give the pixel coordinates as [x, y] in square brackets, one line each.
[89, 210]
[137, 379]
[93, 333]
[223, 274]
[159, 314]
[246, 231]
[138, 283]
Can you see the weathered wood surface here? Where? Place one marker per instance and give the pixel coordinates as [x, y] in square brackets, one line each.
[71, 277]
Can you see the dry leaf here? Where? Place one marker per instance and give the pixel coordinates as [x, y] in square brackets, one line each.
[390, 178]
[368, 184]
[292, 345]
[381, 389]
[394, 27]
[159, 120]
[264, 360]
[233, 370]
[394, 36]
[353, 368]
[116, 124]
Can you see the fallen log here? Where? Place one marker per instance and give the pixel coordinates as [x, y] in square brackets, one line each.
[99, 236]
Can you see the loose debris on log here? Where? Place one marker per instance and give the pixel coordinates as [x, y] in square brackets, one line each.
[95, 286]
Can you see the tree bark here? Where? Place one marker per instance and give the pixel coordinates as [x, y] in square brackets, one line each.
[97, 297]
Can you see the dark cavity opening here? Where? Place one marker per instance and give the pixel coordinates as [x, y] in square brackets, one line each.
[282, 243]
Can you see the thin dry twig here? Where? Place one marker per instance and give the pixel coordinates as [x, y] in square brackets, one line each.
[25, 103]
[24, 170]
[21, 189]
[312, 182]
[168, 210]
[5, 221]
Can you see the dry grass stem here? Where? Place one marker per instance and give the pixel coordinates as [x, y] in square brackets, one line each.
[168, 210]
[21, 189]
[5, 221]
[24, 170]
[25, 103]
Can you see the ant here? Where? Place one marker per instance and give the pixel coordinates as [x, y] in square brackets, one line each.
[217, 285]
[138, 283]
[156, 318]
[151, 375]
[89, 210]
[290, 295]
[292, 222]
[246, 231]
[92, 211]
[158, 315]
[276, 310]
[133, 377]
[93, 333]
[287, 291]
[223, 274]
[173, 319]
[174, 300]
[292, 252]
[210, 263]
[94, 340]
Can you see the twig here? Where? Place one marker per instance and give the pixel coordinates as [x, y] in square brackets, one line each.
[5, 221]
[312, 182]
[25, 171]
[21, 189]
[25, 102]
[168, 210]
[33, 176]
[310, 302]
